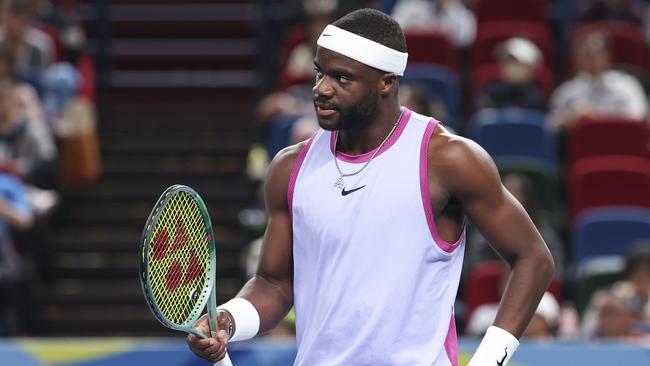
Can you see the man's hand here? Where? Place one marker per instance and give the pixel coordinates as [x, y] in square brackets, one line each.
[212, 349]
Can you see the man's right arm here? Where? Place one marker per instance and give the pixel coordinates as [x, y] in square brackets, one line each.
[270, 291]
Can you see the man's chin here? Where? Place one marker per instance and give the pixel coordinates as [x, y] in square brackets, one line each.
[329, 124]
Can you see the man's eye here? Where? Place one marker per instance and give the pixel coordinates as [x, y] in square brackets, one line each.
[342, 79]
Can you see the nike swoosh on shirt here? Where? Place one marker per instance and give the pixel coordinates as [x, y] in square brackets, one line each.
[345, 193]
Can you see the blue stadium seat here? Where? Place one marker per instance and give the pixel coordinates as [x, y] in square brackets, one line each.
[386, 6]
[515, 136]
[520, 141]
[440, 83]
[608, 231]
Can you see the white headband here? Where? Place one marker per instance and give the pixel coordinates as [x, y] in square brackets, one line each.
[363, 50]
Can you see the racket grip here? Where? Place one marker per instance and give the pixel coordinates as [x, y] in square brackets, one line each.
[224, 362]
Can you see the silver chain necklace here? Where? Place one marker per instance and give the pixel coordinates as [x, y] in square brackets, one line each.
[340, 183]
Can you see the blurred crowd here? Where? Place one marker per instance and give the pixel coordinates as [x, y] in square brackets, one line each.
[555, 91]
[46, 102]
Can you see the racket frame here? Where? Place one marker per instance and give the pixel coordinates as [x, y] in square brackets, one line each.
[210, 279]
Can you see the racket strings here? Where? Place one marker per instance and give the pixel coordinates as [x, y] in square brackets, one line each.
[179, 258]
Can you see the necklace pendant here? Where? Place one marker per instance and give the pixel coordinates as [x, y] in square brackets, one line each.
[339, 183]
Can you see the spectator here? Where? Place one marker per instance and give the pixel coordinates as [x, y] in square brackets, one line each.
[449, 16]
[522, 189]
[597, 89]
[518, 60]
[15, 213]
[33, 49]
[26, 147]
[612, 10]
[613, 313]
[26, 94]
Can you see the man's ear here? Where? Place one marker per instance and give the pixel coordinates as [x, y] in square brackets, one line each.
[388, 84]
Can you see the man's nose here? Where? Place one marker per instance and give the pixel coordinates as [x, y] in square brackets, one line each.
[323, 88]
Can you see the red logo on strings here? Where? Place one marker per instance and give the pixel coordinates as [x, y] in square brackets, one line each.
[176, 274]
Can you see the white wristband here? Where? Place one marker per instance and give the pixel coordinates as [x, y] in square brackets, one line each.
[495, 349]
[245, 316]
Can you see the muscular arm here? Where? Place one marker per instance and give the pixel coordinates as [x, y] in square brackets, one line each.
[466, 173]
[271, 290]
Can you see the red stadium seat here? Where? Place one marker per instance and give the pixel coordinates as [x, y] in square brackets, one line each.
[483, 285]
[629, 50]
[608, 136]
[495, 10]
[431, 47]
[489, 72]
[490, 35]
[609, 181]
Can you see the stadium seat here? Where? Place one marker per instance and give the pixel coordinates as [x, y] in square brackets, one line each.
[386, 6]
[629, 49]
[483, 285]
[496, 10]
[440, 83]
[610, 135]
[490, 35]
[432, 47]
[515, 136]
[608, 231]
[489, 72]
[520, 141]
[609, 181]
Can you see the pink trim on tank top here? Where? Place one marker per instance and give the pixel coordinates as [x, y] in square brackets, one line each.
[294, 172]
[401, 125]
[424, 190]
[451, 342]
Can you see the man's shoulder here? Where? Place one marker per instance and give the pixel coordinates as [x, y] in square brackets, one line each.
[290, 154]
[447, 146]
[457, 160]
[284, 161]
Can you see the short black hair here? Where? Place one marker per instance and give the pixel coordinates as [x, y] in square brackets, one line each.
[375, 26]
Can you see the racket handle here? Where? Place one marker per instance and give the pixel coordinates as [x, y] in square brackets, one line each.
[224, 362]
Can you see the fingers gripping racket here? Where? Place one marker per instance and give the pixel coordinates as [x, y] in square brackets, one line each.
[178, 262]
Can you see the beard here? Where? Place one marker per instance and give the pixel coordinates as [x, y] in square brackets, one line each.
[355, 116]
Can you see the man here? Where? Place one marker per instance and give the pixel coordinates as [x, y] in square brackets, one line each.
[518, 60]
[597, 89]
[366, 223]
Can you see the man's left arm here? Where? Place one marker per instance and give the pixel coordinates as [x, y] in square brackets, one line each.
[469, 175]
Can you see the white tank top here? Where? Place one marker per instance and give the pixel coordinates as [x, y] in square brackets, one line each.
[374, 284]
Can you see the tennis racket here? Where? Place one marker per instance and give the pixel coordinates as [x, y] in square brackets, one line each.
[178, 262]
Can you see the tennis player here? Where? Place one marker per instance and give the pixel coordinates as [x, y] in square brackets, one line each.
[367, 223]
